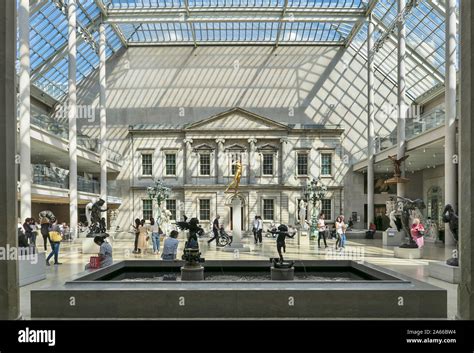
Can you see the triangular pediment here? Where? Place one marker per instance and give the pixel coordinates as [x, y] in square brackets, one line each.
[236, 119]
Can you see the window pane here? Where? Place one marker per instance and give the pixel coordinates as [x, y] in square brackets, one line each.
[204, 210]
[268, 164]
[205, 164]
[326, 164]
[171, 206]
[147, 209]
[171, 164]
[326, 208]
[268, 210]
[302, 164]
[146, 164]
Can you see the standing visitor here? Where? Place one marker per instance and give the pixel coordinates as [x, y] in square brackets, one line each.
[344, 228]
[28, 231]
[136, 227]
[45, 231]
[321, 231]
[155, 235]
[258, 224]
[170, 246]
[55, 239]
[215, 231]
[34, 229]
[142, 237]
[339, 232]
[417, 232]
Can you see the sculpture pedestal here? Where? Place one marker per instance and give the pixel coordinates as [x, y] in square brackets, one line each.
[192, 273]
[237, 244]
[408, 253]
[282, 274]
[441, 270]
[31, 268]
[392, 237]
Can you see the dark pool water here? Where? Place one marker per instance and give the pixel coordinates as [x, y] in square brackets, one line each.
[242, 277]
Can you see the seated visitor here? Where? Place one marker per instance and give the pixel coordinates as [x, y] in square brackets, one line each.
[417, 232]
[105, 253]
[170, 246]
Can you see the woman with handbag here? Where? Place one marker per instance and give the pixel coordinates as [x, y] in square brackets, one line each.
[55, 239]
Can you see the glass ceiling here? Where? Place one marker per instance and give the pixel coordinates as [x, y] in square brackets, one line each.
[242, 22]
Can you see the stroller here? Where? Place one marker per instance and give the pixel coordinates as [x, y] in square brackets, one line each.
[224, 238]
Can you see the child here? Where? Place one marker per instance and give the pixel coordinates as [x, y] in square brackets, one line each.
[281, 233]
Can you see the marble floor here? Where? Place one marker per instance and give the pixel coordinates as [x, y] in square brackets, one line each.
[370, 251]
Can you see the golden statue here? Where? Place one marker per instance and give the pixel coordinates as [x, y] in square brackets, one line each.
[236, 182]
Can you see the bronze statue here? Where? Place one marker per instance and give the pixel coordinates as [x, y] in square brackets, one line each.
[238, 174]
[97, 225]
[450, 217]
[396, 165]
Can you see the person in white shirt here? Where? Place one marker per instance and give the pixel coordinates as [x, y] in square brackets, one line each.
[258, 229]
[155, 235]
[321, 231]
[339, 232]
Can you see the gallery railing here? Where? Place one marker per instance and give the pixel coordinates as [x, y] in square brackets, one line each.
[54, 177]
[414, 127]
[88, 185]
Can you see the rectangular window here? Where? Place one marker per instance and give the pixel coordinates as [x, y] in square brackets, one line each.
[302, 164]
[205, 164]
[268, 209]
[326, 208]
[171, 206]
[147, 166]
[326, 164]
[147, 209]
[204, 210]
[170, 164]
[268, 164]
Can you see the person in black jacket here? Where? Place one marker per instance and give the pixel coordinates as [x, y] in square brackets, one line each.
[28, 231]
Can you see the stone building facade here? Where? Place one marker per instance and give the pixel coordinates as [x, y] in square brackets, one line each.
[196, 161]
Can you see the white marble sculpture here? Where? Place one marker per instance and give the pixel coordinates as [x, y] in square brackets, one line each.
[392, 219]
[302, 214]
[89, 210]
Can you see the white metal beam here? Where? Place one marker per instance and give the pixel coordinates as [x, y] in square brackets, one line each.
[235, 43]
[358, 26]
[237, 15]
[116, 28]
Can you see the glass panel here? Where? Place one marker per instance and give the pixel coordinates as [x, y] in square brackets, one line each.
[268, 209]
[204, 210]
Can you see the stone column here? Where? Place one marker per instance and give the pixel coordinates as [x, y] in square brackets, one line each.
[24, 98]
[402, 106]
[103, 115]
[283, 156]
[72, 116]
[466, 181]
[187, 160]
[220, 161]
[9, 290]
[252, 159]
[450, 168]
[370, 124]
